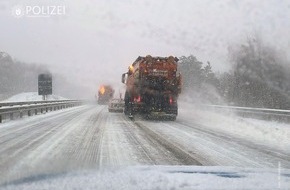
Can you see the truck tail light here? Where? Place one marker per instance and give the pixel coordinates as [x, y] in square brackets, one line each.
[137, 99]
[170, 100]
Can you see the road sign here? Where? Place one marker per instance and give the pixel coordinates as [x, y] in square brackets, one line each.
[44, 84]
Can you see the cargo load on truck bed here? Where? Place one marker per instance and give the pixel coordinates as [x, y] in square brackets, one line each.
[152, 87]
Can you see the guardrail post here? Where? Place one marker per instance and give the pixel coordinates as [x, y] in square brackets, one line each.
[0, 118]
[29, 112]
[20, 114]
[46, 109]
[11, 116]
[35, 111]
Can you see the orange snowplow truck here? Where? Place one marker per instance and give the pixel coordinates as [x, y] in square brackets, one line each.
[105, 93]
[152, 87]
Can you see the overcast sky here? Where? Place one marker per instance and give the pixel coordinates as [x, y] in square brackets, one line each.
[96, 40]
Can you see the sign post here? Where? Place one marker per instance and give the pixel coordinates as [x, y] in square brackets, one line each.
[44, 85]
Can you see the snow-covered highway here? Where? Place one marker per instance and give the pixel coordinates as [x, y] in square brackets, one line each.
[88, 137]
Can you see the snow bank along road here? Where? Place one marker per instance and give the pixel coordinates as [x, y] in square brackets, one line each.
[88, 137]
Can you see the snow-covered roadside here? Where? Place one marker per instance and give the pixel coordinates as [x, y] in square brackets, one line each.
[31, 96]
[265, 133]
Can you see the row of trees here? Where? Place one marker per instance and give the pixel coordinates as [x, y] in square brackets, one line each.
[17, 77]
[259, 77]
[199, 81]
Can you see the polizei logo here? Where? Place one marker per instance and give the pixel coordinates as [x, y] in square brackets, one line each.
[38, 11]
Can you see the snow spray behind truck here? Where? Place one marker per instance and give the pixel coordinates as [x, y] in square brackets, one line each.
[152, 87]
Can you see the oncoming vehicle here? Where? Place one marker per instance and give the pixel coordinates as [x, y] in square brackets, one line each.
[116, 105]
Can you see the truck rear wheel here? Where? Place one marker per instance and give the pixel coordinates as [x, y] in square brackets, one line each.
[126, 110]
[126, 99]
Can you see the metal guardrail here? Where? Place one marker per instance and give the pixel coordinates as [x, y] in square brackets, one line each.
[4, 104]
[11, 110]
[264, 113]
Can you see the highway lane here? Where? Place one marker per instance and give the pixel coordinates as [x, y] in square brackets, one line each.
[89, 137]
[213, 148]
[86, 137]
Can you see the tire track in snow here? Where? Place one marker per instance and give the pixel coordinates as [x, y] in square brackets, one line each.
[206, 149]
[18, 127]
[211, 149]
[270, 157]
[28, 141]
[170, 150]
[28, 153]
[33, 134]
